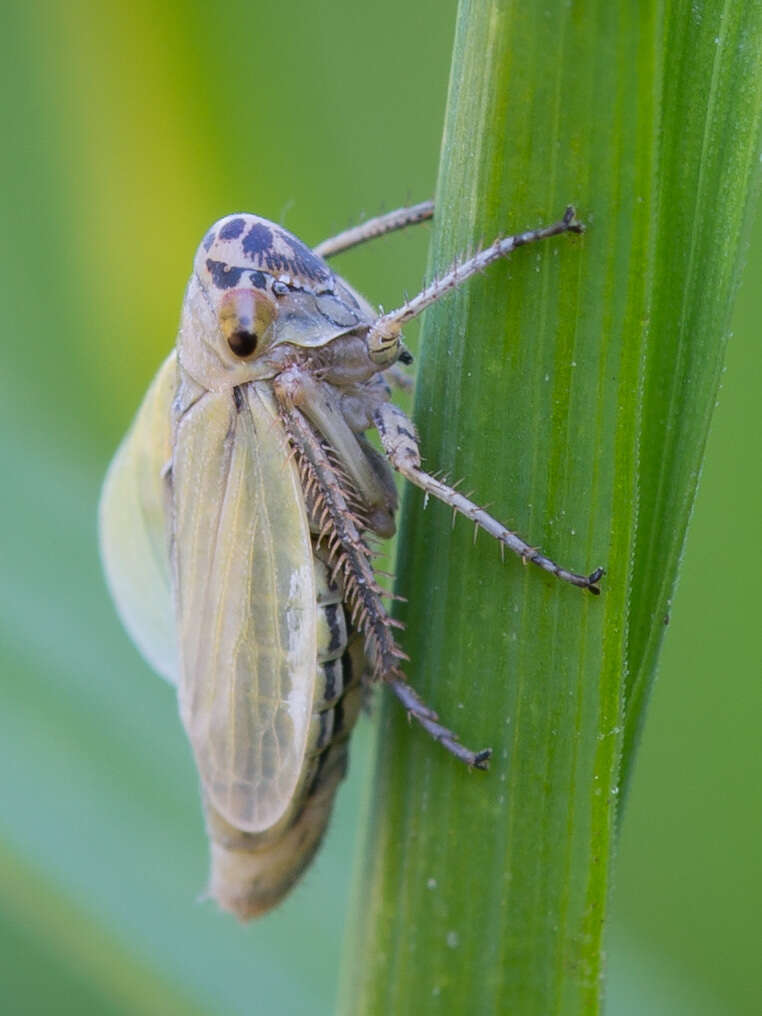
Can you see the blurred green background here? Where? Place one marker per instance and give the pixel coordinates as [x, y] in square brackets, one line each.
[127, 130]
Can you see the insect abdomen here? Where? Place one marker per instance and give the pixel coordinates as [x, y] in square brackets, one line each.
[252, 872]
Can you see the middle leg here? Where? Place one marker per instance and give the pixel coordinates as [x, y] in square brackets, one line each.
[400, 443]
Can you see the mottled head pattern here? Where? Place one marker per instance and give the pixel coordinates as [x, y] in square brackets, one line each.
[256, 289]
[243, 249]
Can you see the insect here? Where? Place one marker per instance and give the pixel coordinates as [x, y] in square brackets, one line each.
[234, 525]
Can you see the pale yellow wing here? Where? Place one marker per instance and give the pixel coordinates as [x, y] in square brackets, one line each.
[132, 523]
[245, 589]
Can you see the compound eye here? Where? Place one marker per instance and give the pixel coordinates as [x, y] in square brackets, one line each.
[245, 319]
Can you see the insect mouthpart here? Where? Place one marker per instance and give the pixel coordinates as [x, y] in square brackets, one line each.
[243, 343]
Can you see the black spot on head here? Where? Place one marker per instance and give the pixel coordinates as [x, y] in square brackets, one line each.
[309, 264]
[258, 240]
[223, 276]
[233, 229]
[258, 280]
[209, 239]
[276, 262]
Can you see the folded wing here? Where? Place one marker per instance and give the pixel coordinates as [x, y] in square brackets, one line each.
[245, 601]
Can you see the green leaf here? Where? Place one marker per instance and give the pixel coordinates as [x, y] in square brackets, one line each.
[83, 967]
[708, 174]
[539, 384]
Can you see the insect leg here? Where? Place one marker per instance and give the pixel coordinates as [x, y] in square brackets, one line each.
[349, 558]
[429, 720]
[319, 403]
[379, 226]
[385, 332]
[400, 443]
[340, 532]
[396, 376]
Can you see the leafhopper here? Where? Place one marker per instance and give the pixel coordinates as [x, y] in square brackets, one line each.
[234, 526]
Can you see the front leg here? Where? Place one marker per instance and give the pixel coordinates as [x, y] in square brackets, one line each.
[400, 443]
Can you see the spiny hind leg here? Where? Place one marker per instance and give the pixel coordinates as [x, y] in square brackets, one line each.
[349, 558]
[400, 443]
[378, 226]
[428, 719]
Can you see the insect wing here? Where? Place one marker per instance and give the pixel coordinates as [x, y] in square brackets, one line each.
[246, 605]
[132, 522]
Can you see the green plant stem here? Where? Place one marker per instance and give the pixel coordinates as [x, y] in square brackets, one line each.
[488, 893]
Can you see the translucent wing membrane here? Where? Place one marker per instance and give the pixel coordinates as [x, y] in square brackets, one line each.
[245, 604]
[132, 520]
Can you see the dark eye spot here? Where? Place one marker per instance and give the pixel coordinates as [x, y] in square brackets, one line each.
[243, 343]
